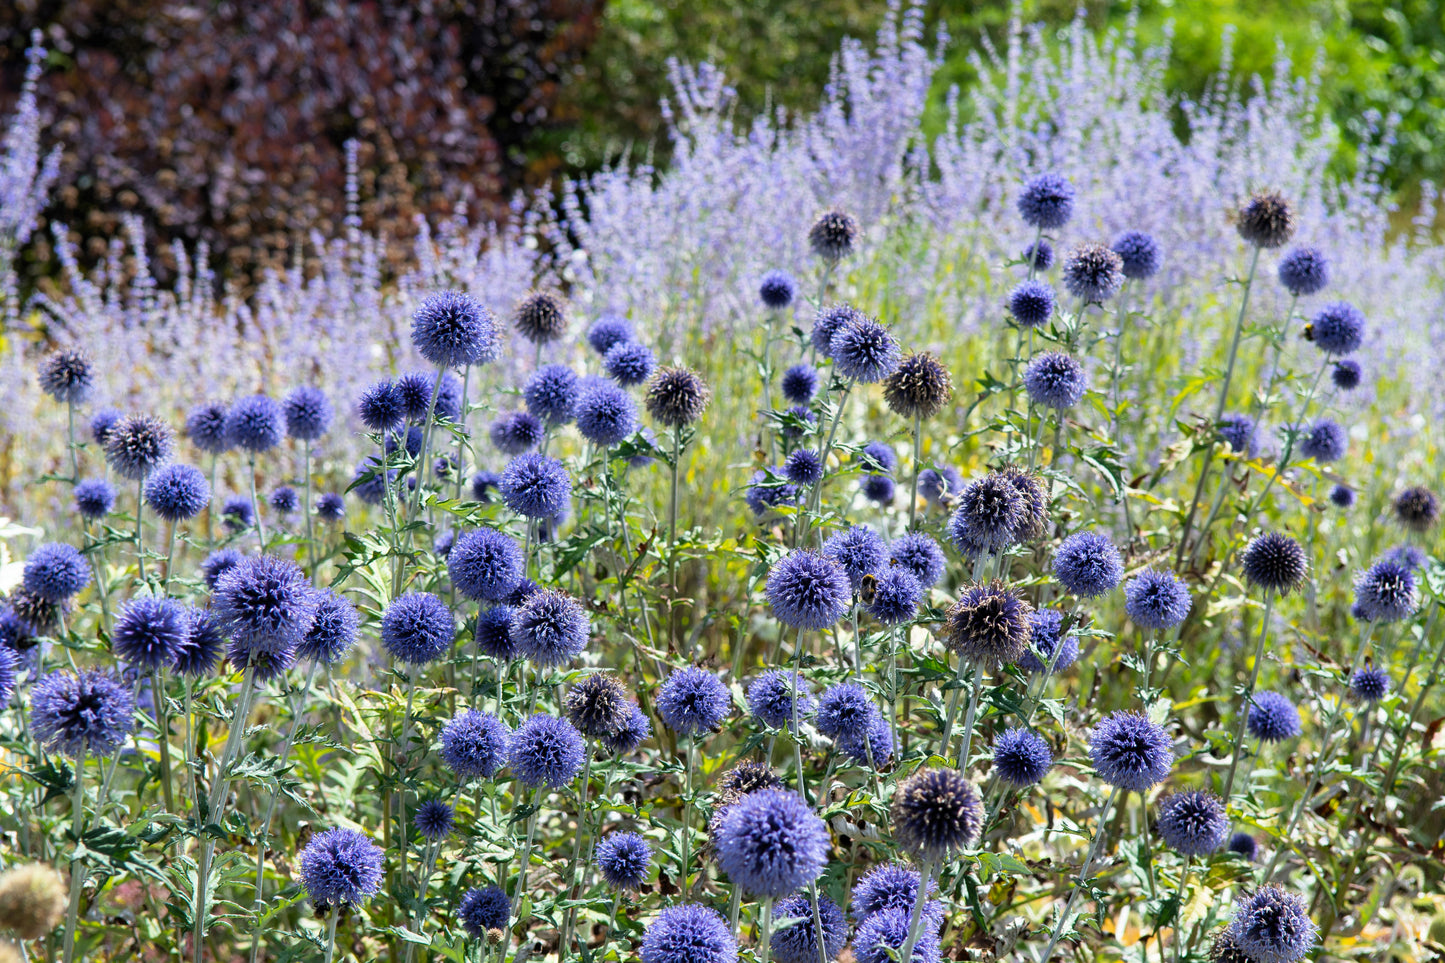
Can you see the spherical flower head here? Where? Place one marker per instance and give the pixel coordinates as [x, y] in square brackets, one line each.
[1193, 823]
[1324, 441]
[255, 424]
[40, 615]
[68, 377]
[772, 844]
[414, 390]
[920, 554]
[608, 331]
[177, 492]
[936, 812]
[688, 934]
[149, 632]
[1055, 380]
[89, 713]
[896, 594]
[845, 712]
[493, 635]
[1130, 752]
[105, 419]
[138, 445]
[1387, 592]
[485, 565]
[800, 384]
[539, 317]
[201, 649]
[451, 330]
[1092, 272]
[606, 415]
[546, 751]
[265, 604]
[1088, 564]
[629, 364]
[771, 696]
[920, 388]
[634, 732]
[1156, 600]
[677, 397]
[218, 563]
[1139, 253]
[417, 628]
[834, 235]
[474, 745]
[536, 485]
[1417, 508]
[804, 467]
[769, 490]
[892, 886]
[515, 433]
[284, 499]
[1273, 926]
[870, 745]
[434, 820]
[1245, 845]
[1342, 496]
[798, 943]
[94, 498]
[32, 903]
[887, 930]
[550, 628]
[865, 351]
[1047, 627]
[333, 630]
[330, 507]
[308, 413]
[878, 489]
[1304, 271]
[1272, 718]
[382, 408]
[1370, 684]
[1346, 374]
[1266, 220]
[598, 705]
[1031, 304]
[828, 321]
[15, 634]
[809, 591]
[1337, 329]
[483, 484]
[624, 860]
[860, 550]
[410, 440]
[484, 909]
[989, 625]
[693, 701]
[1274, 562]
[777, 290]
[1021, 757]
[1039, 256]
[878, 456]
[551, 394]
[989, 515]
[1410, 556]
[1225, 948]
[1046, 201]
[1238, 431]
[341, 866]
[55, 572]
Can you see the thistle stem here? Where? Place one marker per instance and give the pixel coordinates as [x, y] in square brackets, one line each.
[77, 868]
[1237, 743]
[1068, 914]
[915, 915]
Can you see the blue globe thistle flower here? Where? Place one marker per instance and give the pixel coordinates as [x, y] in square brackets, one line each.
[1272, 718]
[1055, 380]
[1031, 304]
[608, 331]
[493, 636]
[451, 330]
[920, 554]
[896, 595]
[68, 377]
[434, 820]
[284, 499]
[551, 393]
[536, 485]
[1338, 328]
[474, 745]
[205, 427]
[218, 563]
[936, 812]
[629, 364]
[833, 235]
[989, 625]
[330, 507]
[990, 514]
[1088, 564]
[546, 751]
[308, 413]
[149, 632]
[515, 433]
[1346, 374]
[891, 886]
[878, 489]
[800, 384]
[1130, 752]
[1274, 562]
[9, 667]
[539, 317]
[201, 650]
[1046, 201]
[255, 424]
[89, 713]
[483, 484]
[485, 565]
[382, 407]
[693, 701]
[265, 604]
[1304, 271]
[341, 867]
[878, 457]
[94, 498]
[333, 630]
[688, 934]
[15, 634]
[417, 628]
[525, 589]
[1245, 845]
[808, 591]
[828, 321]
[137, 445]
[606, 415]
[104, 420]
[798, 942]
[777, 290]
[55, 572]
[484, 909]
[1092, 272]
[1238, 431]
[859, 550]
[634, 732]
[677, 397]
[1047, 626]
[1039, 256]
[1265, 220]
[1417, 508]
[414, 391]
[1273, 926]
[1193, 823]
[1342, 496]
[41, 616]
[410, 441]
[767, 489]
[238, 513]
[865, 351]
[1410, 556]
[1386, 592]
[1370, 684]
[870, 746]
[887, 930]
[919, 388]
[1021, 757]
[804, 467]
[550, 628]
[1156, 600]
[1033, 522]
[598, 705]
[1324, 441]
[624, 860]
[265, 665]
[800, 421]
[844, 712]
[442, 546]
[772, 844]
[771, 696]
[1139, 253]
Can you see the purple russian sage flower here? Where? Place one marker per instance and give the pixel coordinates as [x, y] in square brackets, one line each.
[340, 867]
[255, 424]
[451, 330]
[417, 628]
[772, 844]
[539, 317]
[693, 701]
[1046, 201]
[1304, 271]
[808, 591]
[76, 715]
[936, 812]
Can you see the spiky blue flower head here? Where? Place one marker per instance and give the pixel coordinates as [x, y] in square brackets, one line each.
[434, 819]
[1092, 272]
[308, 413]
[871, 746]
[1088, 564]
[608, 331]
[1193, 823]
[382, 407]
[94, 498]
[800, 384]
[536, 485]
[1130, 752]
[485, 564]
[808, 591]
[330, 507]
[878, 489]
[1046, 201]
[1410, 556]
[540, 317]
[636, 730]
[137, 445]
[989, 516]
[333, 631]
[484, 909]
[990, 625]
[493, 636]
[1272, 717]
[1156, 600]
[67, 376]
[474, 745]
[1370, 684]
[688, 934]
[920, 555]
[1272, 925]
[451, 330]
[284, 499]
[1324, 441]
[878, 457]
[414, 391]
[1055, 380]
[105, 419]
[255, 424]
[1021, 757]
[864, 350]
[795, 938]
[9, 668]
[1047, 633]
[1238, 431]
[409, 440]
[341, 867]
[265, 604]
[828, 321]
[89, 713]
[55, 571]
[896, 595]
[624, 860]
[859, 550]
[550, 628]
[265, 664]
[551, 393]
[15, 634]
[218, 563]
[598, 705]
[693, 701]
[938, 486]
[777, 290]
[1417, 508]
[936, 812]
[629, 363]
[677, 397]
[149, 632]
[1266, 219]
[205, 427]
[1304, 271]
[1245, 845]
[772, 844]
[417, 628]
[1031, 303]
[771, 695]
[41, 616]
[1387, 592]
[887, 930]
[804, 467]
[1139, 253]
[606, 415]
[1274, 562]
[919, 388]
[1342, 496]
[1338, 328]
[833, 235]
[1346, 374]
[844, 711]
[546, 751]
[769, 490]
[1039, 256]
[516, 432]
[483, 484]
[892, 887]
